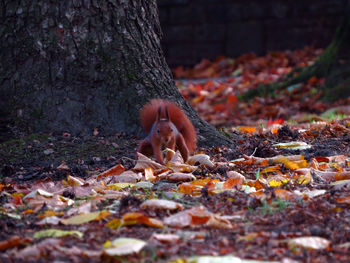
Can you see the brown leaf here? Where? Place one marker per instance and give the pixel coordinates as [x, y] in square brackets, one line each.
[161, 204]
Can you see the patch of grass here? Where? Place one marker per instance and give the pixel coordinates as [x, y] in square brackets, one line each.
[269, 208]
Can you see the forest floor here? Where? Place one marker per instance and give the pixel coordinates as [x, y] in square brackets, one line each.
[282, 194]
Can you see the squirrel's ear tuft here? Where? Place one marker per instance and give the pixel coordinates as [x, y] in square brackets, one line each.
[167, 113]
[159, 113]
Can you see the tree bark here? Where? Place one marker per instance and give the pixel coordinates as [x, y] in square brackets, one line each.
[76, 65]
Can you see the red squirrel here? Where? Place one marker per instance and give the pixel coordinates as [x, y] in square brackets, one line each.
[167, 127]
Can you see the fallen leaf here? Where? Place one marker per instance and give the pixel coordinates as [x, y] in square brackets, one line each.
[80, 219]
[202, 159]
[38, 192]
[161, 204]
[144, 162]
[73, 181]
[294, 145]
[115, 170]
[14, 241]
[51, 220]
[149, 175]
[344, 200]
[309, 242]
[177, 177]
[165, 238]
[57, 233]
[124, 246]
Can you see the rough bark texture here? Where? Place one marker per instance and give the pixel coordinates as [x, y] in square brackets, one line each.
[75, 65]
[333, 64]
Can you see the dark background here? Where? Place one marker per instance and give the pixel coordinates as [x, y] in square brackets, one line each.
[197, 29]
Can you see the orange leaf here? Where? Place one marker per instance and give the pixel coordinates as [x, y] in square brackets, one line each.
[10, 243]
[115, 170]
[133, 218]
[233, 182]
[189, 189]
[200, 182]
[247, 129]
[103, 214]
[200, 215]
[344, 200]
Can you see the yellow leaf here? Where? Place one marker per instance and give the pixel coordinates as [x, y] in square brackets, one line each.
[115, 223]
[275, 182]
[80, 219]
[57, 233]
[49, 213]
[149, 174]
[303, 176]
[124, 246]
[119, 186]
[73, 181]
[293, 145]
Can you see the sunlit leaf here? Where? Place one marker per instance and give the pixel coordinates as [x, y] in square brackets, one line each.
[189, 189]
[119, 186]
[303, 176]
[51, 220]
[114, 223]
[165, 238]
[149, 175]
[38, 192]
[277, 180]
[57, 233]
[247, 129]
[115, 170]
[133, 218]
[161, 204]
[202, 159]
[124, 246]
[309, 242]
[80, 219]
[73, 181]
[310, 193]
[181, 167]
[144, 162]
[293, 145]
[178, 177]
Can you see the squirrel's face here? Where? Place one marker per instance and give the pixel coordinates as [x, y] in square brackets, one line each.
[165, 132]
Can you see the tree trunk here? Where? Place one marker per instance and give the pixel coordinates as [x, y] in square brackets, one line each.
[333, 64]
[76, 65]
